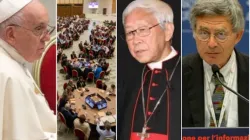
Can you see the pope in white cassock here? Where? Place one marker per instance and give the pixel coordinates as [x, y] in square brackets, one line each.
[24, 112]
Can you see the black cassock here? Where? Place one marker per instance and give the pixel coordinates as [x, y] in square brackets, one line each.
[165, 123]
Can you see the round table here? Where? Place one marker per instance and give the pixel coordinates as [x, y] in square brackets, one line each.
[92, 114]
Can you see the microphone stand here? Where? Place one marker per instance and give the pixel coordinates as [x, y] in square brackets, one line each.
[242, 97]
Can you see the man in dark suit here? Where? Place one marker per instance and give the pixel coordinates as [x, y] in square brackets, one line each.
[206, 103]
[69, 69]
[80, 46]
[86, 71]
[81, 82]
[104, 66]
[69, 115]
[73, 55]
[63, 101]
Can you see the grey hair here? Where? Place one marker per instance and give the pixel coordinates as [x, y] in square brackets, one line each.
[17, 18]
[67, 106]
[161, 10]
[229, 8]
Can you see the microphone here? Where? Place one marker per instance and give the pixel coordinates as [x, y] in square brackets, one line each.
[216, 71]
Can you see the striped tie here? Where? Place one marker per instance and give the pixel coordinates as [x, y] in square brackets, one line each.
[217, 99]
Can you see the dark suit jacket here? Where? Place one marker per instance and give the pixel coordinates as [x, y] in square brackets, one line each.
[62, 103]
[73, 56]
[80, 84]
[85, 73]
[193, 104]
[69, 117]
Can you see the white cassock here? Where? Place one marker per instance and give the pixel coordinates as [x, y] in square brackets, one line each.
[24, 112]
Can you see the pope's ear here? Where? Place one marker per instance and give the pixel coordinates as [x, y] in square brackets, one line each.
[10, 35]
[169, 31]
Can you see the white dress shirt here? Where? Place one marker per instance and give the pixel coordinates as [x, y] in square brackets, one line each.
[230, 103]
[158, 65]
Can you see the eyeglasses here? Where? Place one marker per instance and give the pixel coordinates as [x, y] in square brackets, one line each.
[141, 31]
[39, 31]
[205, 36]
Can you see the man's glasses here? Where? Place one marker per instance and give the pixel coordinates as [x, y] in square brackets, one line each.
[205, 36]
[39, 31]
[141, 31]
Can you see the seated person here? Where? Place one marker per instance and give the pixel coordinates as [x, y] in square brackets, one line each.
[112, 89]
[69, 69]
[106, 49]
[86, 71]
[80, 46]
[81, 54]
[73, 55]
[98, 71]
[104, 66]
[78, 69]
[81, 82]
[81, 124]
[99, 86]
[101, 60]
[64, 60]
[107, 132]
[69, 115]
[63, 101]
[59, 54]
[77, 64]
[86, 43]
[64, 56]
[103, 86]
[72, 85]
[67, 91]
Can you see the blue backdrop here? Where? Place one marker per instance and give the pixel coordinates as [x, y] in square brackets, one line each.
[188, 42]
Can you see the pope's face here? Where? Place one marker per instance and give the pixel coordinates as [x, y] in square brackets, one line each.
[149, 47]
[215, 39]
[31, 37]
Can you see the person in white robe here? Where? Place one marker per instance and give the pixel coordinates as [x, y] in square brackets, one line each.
[24, 111]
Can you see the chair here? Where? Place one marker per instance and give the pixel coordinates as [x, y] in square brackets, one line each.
[45, 73]
[98, 83]
[102, 74]
[84, 50]
[79, 134]
[90, 77]
[107, 64]
[65, 86]
[91, 52]
[91, 56]
[63, 120]
[101, 53]
[74, 74]
[65, 69]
